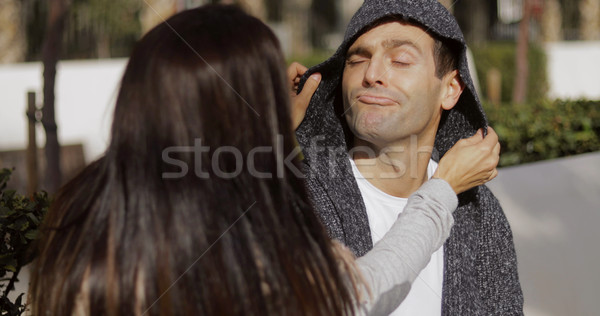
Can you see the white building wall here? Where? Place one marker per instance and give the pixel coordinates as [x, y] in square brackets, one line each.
[574, 70]
[85, 94]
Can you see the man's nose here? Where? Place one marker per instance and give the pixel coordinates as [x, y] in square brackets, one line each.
[375, 73]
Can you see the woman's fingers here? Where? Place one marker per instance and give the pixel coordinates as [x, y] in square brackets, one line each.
[491, 138]
[295, 72]
[471, 161]
[301, 100]
[477, 137]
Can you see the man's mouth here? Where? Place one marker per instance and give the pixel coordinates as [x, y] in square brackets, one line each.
[377, 100]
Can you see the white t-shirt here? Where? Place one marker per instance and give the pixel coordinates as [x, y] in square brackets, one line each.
[425, 296]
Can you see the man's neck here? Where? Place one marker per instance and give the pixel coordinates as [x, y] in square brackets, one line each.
[398, 169]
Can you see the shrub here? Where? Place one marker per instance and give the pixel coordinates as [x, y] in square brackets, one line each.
[20, 218]
[501, 55]
[545, 129]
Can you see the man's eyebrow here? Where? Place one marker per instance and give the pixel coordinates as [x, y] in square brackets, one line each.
[394, 43]
[358, 50]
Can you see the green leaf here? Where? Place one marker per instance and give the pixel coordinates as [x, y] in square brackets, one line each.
[4, 177]
[9, 194]
[21, 224]
[7, 261]
[33, 218]
[10, 268]
[31, 234]
[5, 212]
[19, 299]
[29, 207]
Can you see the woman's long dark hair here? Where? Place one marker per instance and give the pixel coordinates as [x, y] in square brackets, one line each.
[166, 222]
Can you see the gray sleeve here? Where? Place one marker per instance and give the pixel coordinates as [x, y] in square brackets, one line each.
[395, 261]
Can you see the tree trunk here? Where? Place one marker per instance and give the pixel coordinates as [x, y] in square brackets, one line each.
[256, 8]
[32, 150]
[153, 12]
[589, 29]
[12, 41]
[296, 15]
[57, 12]
[552, 21]
[473, 17]
[522, 74]
[449, 4]
[102, 45]
[346, 9]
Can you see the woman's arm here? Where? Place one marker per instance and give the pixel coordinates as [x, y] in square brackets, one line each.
[389, 269]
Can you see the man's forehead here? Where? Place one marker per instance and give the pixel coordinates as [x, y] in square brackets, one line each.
[395, 33]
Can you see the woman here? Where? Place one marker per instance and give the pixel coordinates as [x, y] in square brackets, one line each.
[190, 211]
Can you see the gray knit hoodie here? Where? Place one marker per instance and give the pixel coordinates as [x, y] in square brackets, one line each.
[480, 270]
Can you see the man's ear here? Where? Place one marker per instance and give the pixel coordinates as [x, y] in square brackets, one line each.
[452, 89]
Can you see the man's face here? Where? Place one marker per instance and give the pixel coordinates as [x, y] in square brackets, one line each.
[389, 86]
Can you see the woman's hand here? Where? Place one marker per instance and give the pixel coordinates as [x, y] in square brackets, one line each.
[300, 101]
[470, 162]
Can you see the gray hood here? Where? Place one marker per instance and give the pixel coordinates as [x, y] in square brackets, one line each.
[323, 120]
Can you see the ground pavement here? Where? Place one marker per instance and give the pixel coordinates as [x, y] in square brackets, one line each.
[554, 211]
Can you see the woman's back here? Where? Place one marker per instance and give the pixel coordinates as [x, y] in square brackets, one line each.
[190, 211]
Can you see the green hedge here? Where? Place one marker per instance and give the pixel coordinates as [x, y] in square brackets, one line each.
[501, 55]
[545, 129]
[20, 218]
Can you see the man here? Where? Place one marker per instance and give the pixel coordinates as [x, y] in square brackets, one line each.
[392, 100]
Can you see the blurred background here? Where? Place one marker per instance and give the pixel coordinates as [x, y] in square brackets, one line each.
[535, 62]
